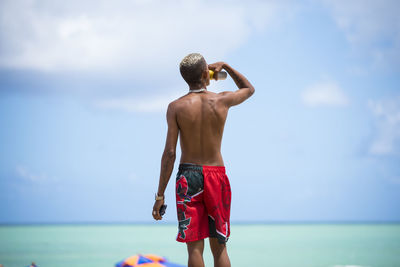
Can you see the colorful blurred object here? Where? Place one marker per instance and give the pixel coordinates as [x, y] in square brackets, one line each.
[148, 260]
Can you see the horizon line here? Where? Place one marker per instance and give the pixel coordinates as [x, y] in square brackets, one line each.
[239, 222]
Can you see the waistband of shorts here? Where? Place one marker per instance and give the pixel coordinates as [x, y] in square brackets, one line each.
[195, 167]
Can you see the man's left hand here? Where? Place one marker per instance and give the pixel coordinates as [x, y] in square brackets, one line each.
[156, 209]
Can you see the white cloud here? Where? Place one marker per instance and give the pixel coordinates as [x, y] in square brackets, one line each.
[387, 122]
[324, 94]
[371, 26]
[113, 35]
[155, 103]
[26, 174]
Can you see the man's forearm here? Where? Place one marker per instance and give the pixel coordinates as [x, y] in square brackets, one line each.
[167, 165]
[238, 78]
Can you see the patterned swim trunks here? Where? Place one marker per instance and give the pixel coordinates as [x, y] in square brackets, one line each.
[203, 201]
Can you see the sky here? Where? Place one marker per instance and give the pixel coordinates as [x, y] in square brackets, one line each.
[84, 87]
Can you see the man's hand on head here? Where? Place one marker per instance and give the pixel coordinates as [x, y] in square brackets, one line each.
[156, 209]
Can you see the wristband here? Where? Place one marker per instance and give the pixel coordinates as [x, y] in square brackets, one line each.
[157, 197]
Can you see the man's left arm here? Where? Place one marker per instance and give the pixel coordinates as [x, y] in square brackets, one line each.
[167, 160]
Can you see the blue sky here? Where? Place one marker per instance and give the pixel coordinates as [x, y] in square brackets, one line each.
[84, 89]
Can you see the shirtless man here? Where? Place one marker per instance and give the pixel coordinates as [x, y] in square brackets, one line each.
[203, 194]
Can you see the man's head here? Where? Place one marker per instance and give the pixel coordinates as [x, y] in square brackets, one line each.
[194, 70]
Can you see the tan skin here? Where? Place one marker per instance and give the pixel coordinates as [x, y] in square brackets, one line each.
[199, 119]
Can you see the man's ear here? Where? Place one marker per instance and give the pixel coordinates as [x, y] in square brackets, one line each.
[206, 77]
[206, 73]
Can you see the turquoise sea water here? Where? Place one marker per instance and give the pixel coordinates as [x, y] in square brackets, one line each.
[275, 245]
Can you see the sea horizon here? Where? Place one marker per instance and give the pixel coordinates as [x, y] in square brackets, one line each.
[277, 222]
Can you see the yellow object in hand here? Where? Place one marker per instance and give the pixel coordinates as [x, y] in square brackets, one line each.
[220, 75]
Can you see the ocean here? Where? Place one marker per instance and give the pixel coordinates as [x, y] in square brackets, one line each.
[275, 245]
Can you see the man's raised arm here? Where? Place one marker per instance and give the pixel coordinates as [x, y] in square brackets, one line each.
[246, 89]
[167, 160]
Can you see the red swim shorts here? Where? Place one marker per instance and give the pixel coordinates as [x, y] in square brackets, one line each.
[203, 202]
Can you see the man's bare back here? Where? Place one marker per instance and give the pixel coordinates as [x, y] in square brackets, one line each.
[200, 118]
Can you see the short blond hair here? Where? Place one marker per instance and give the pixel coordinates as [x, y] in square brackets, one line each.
[192, 67]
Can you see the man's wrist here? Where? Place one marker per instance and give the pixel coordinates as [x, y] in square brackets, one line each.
[226, 67]
[159, 197]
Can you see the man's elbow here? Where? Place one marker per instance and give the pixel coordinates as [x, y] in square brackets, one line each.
[169, 154]
[251, 91]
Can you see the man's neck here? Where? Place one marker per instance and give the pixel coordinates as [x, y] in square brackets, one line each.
[197, 88]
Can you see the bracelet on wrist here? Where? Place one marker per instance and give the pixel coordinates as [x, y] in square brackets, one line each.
[157, 197]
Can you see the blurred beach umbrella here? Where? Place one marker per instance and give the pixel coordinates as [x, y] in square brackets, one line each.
[147, 260]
